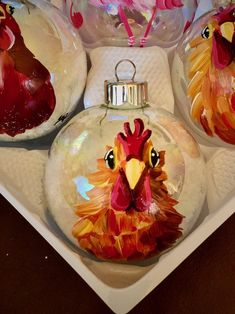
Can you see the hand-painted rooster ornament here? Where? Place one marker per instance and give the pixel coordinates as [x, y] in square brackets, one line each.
[128, 213]
[212, 76]
[27, 97]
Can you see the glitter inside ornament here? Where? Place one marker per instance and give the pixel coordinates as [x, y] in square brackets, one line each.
[39, 55]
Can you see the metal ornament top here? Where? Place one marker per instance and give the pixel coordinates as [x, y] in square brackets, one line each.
[126, 93]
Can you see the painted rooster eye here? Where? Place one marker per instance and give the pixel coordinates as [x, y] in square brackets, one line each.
[10, 9]
[110, 159]
[154, 158]
[207, 32]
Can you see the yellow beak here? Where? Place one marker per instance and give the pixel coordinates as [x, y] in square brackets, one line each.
[227, 30]
[134, 169]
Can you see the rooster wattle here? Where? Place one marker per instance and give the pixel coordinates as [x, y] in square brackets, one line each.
[212, 76]
[27, 96]
[128, 212]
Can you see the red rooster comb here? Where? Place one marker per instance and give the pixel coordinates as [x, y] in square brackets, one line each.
[133, 143]
[225, 15]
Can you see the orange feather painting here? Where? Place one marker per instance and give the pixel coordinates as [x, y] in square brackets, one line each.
[127, 212]
[211, 73]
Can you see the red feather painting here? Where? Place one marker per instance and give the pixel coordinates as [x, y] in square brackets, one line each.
[27, 97]
[128, 212]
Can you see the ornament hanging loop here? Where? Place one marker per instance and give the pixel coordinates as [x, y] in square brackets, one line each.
[121, 61]
[127, 93]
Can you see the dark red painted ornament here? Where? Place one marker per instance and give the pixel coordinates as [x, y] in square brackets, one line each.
[27, 96]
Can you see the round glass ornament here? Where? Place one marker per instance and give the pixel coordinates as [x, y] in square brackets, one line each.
[203, 76]
[118, 180]
[42, 69]
[133, 23]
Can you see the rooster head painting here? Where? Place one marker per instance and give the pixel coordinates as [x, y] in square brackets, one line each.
[212, 76]
[27, 97]
[127, 212]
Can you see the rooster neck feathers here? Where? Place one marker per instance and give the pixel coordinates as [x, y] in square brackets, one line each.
[27, 96]
[211, 72]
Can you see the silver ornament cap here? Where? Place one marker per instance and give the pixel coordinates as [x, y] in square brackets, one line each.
[126, 93]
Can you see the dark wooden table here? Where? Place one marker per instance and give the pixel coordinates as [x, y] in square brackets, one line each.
[35, 279]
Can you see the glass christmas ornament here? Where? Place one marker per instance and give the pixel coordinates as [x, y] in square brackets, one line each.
[42, 69]
[204, 75]
[118, 179]
[123, 23]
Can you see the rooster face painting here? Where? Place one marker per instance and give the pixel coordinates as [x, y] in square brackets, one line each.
[212, 76]
[128, 213]
[27, 97]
